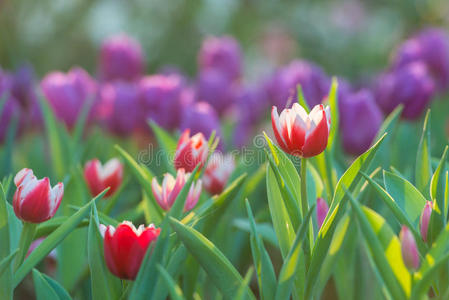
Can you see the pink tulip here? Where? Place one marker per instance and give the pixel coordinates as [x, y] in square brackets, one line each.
[191, 151]
[321, 211]
[409, 251]
[425, 219]
[217, 172]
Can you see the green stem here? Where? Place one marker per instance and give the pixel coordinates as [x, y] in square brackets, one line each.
[26, 237]
[304, 210]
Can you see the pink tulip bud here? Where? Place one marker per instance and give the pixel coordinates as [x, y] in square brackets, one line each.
[217, 172]
[299, 133]
[425, 219]
[125, 247]
[35, 201]
[191, 151]
[321, 211]
[166, 194]
[409, 251]
[100, 177]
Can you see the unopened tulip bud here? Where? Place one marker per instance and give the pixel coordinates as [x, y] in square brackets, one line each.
[125, 247]
[425, 219]
[166, 194]
[100, 177]
[321, 211]
[191, 151]
[35, 201]
[409, 251]
[217, 173]
[299, 133]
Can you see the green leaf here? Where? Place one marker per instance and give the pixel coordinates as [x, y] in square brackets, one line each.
[423, 169]
[6, 277]
[103, 284]
[244, 285]
[350, 178]
[264, 268]
[47, 288]
[333, 103]
[142, 175]
[265, 230]
[385, 250]
[424, 283]
[6, 262]
[292, 262]
[408, 198]
[166, 143]
[174, 289]
[219, 269]
[437, 190]
[53, 240]
[301, 100]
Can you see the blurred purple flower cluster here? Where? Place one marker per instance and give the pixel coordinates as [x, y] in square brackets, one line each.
[123, 99]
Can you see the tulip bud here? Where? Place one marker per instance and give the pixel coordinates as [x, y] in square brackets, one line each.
[222, 54]
[121, 58]
[430, 46]
[300, 134]
[321, 211]
[191, 151]
[125, 248]
[166, 194]
[115, 99]
[410, 254]
[35, 201]
[411, 86]
[425, 219]
[100, 177]
[67, 93]
[217, 172]
[358, 133]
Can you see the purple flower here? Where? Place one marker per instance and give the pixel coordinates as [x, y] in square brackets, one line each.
[200, 117]
[216, 89]
[360, 119]
[161, 98]
[22, 86]
[119, 107]
[121, 57]
[221, 54]
[282, 87]
[430, 46]
[321, 211]
[411, 86]
[67, 93]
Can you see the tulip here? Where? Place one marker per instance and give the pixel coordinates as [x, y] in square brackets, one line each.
[67, 93]
[411, 86]
[300, 134]
[282, 87]
[166, 194]
[201, 117]
[35, 201]
[222, 54]
[191, 151]
[161, 100]
[217, 172]
[360, 120]
[100, 177]
[216, 89]
[119, 107]
[430, 46]
[121, 58]
[425, 219]
[321, 211]
[22, 86]
[409, 251]
[125, 247]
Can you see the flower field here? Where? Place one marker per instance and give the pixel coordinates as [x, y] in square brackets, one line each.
[248, 178]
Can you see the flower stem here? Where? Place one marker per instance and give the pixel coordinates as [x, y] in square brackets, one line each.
[304, 211]
[26, 237]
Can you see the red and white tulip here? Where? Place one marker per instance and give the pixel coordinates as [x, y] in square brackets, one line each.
[166, 194]
[299, 133]
[125, 247]
[99, 177]
[217, 172]
[191, 151]
[35, 201]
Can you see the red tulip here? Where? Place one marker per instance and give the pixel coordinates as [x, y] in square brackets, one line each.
[166, 194]
[300, 134]
[425, 219]
[125, 247]
[35, 201]
[217, 173]
[409, 251]
[100, 177]
[191, 151]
